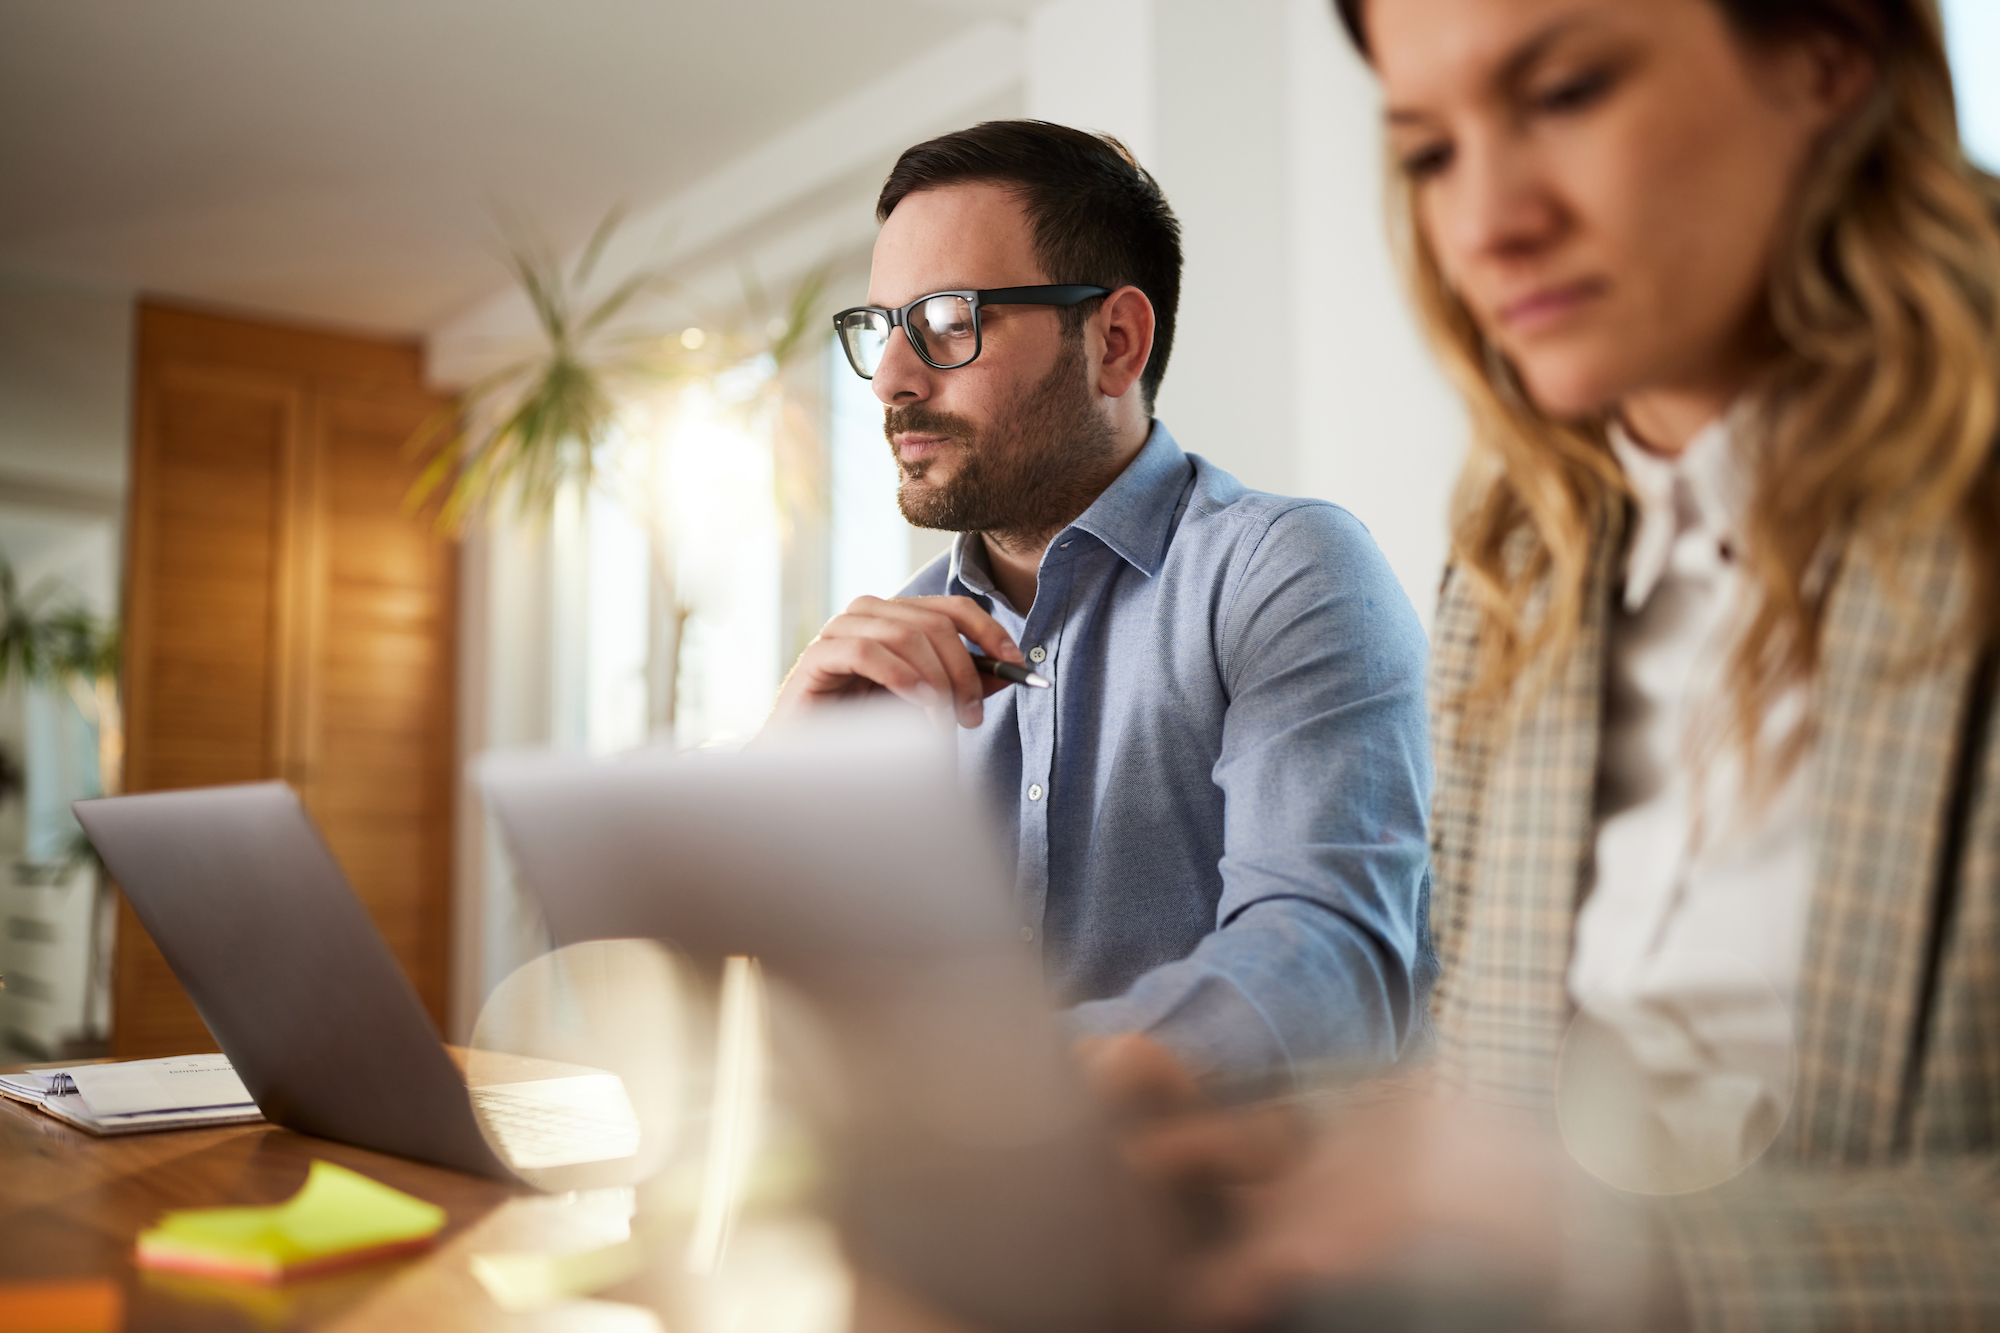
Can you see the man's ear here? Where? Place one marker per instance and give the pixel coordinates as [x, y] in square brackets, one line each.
[1125, 321]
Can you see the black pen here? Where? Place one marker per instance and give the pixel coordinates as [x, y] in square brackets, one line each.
[1010, 671]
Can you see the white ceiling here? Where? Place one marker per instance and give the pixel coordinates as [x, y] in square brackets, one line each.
[344, 161]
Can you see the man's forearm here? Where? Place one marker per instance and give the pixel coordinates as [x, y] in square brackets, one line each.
[1289, 989]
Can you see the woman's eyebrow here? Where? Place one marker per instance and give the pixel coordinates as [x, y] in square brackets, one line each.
[1514, 69]
[1532, 50]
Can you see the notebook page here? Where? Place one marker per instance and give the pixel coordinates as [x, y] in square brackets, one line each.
[178, 1083]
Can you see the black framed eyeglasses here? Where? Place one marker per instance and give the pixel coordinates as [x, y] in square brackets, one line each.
[943, 327]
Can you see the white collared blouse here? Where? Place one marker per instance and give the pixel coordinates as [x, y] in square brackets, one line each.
[1690, 938]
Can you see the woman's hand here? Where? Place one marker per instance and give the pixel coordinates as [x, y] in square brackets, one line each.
[1172, 1134]
[1406, 1195]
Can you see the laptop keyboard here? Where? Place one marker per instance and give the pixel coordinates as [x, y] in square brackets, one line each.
[559, 1121]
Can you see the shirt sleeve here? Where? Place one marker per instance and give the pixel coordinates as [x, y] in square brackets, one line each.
[1316, 959]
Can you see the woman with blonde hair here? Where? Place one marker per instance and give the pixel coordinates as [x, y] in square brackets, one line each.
[1717, 833]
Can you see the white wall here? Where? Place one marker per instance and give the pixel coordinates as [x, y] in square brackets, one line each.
[1379, 429]
[1222, 132]
[1090, 63]
[65, 386]
[1296, 365]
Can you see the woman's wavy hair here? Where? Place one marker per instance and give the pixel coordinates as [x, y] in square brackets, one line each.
[1876, 423]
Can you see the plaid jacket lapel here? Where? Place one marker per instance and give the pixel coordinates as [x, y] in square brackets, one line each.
[1959, 1109]
[1885, 747]
[1514, 818]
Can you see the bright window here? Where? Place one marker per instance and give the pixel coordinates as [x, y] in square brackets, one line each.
[870, 540]
[729, 554]
[1972, 27]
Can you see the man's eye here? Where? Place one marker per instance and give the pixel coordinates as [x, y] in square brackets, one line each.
[1427, 161]
[1574, 94]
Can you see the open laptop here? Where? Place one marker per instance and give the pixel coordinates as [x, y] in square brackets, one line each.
[969, 1164]
[282, 961]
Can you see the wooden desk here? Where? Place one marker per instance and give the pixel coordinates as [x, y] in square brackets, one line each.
[71, 1206]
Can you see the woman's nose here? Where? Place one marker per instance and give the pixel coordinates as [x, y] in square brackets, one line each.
[1496, 203]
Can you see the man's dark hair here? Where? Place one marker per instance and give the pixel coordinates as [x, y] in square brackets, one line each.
[1096, 216]
[1350, 19]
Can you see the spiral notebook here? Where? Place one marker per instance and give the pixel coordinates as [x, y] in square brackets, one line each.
[180, 1092]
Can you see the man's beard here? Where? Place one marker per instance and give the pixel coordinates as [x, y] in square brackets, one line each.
[1024, 476]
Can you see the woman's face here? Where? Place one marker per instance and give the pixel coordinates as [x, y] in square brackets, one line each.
[1603, 182]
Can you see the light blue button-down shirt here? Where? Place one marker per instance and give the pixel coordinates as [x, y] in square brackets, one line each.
[1218, 812]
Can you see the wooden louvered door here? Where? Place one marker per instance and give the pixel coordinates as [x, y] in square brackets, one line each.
[286, 619]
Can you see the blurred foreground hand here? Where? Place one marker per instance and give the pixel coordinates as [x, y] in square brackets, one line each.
[1172, 1134]
[1408, 1209]
[1191, 1157]
[1388, 1206]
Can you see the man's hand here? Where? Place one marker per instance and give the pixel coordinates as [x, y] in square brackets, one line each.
[907, 646]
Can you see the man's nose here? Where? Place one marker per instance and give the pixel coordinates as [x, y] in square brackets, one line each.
[902, 377]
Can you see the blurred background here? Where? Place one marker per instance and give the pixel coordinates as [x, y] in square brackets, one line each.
[251, 250]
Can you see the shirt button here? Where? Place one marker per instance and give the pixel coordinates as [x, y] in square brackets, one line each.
[1035, 791]
[1038, 655]
[1027, 934]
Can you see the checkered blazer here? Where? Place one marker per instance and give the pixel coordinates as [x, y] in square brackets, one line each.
[1879, 1206]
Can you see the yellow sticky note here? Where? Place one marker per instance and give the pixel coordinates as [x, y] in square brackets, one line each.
[339, 1218]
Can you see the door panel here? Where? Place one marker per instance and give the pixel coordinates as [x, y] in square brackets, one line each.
[380, 777]
[286, 618]
[205, 610]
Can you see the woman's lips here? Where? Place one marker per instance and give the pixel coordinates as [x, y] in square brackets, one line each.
[1541, 310]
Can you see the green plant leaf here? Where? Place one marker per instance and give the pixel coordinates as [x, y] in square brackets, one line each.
[593, 250]
[541, 424]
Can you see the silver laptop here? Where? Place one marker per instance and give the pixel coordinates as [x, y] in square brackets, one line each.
[970, 1165]
[297, 986]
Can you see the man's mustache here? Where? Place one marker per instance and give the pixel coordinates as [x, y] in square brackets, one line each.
[919, 420]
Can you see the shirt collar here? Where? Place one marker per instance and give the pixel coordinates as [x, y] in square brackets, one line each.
[1706, 487]
[1134, 516]
[969, 573]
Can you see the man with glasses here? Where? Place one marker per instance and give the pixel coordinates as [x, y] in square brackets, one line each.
[1216, 805]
